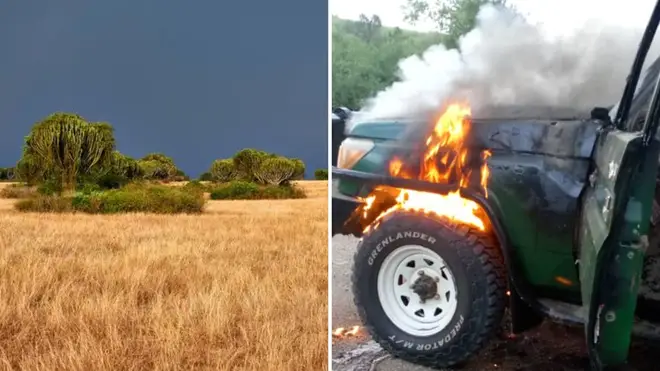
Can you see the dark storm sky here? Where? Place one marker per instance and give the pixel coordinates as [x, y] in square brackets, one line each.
[196, 80]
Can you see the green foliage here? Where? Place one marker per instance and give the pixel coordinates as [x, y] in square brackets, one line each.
[7, 174]
[65, 145]
[28, 170]
[64, 154]
[49, 187]
[154, 170]
[120, 171]
[196, 186]
[454, 18]
[365, 57]
[242, 190]
[125, 166]
[236, 190]
[88, 188]
[321, 174]
[149, 199]
[222, 170]
[299, 173]
[157, 166]
[181, 176]
[275, 170]
[206, 177]
[247, 162]
[282, 192]
[132, 198]
[256, 166]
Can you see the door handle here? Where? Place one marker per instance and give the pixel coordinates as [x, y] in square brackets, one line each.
[608, 205]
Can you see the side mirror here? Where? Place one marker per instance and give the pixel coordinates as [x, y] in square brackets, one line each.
[601, 113]
[342, 112]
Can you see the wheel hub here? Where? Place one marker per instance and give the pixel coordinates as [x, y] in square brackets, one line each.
[417, 290]
[426, 287]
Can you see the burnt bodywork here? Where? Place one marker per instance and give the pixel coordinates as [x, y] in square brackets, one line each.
[538, 170]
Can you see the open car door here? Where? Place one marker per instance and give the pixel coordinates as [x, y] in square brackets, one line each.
[615, 218]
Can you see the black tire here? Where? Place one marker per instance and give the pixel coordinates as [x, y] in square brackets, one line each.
[478, 269]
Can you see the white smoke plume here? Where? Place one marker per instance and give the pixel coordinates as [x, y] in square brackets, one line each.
[506, 60]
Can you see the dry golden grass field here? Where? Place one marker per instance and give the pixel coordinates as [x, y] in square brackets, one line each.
[241, 287]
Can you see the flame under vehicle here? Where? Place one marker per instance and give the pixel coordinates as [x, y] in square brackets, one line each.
[549, 214]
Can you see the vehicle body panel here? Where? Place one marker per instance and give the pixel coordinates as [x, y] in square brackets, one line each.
[615, 218]
[538, 170]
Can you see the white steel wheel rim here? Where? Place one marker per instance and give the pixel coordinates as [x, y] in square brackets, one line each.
[402, 305]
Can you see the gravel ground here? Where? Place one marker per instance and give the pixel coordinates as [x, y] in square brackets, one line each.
[550, 347]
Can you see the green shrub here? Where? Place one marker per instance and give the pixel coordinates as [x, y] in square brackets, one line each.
[206, 177]
[88, 188]
[236, 190]
[321, 174]
[132, 198]
[149, 199]
[49, 187]
[282, 192]
[17, 191]
[196, 186]
[241, 190]
[111, 181]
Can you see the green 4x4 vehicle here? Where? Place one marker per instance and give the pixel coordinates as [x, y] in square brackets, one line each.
[553, 215]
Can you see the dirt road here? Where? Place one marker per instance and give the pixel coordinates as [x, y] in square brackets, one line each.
[550, 347]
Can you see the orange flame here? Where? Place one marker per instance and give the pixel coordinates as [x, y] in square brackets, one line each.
[342, 332]
[443, 161]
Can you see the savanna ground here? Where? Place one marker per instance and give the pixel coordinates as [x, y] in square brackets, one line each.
[241, 287]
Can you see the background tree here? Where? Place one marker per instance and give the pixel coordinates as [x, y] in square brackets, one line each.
[321, 174]
[453, 18]
[365, 54]
[222, 170]
[299, 173]
[365, 57]
[28, 170]
[275, 170]
[157, 166]
[247, 162]
[66, 146]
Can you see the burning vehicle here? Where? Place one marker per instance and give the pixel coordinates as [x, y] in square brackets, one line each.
[549, 213]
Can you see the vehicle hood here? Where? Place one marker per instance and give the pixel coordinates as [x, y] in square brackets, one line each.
[523, 130]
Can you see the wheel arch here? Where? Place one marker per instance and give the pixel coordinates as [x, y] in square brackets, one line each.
[526, 310]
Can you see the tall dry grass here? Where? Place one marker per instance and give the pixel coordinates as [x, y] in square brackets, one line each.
[241, 287]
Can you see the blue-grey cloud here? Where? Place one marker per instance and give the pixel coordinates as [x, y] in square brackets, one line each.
[197, 80]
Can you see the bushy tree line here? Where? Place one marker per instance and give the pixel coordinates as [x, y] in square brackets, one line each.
[251, 165]
[71, 164]
[64, 151]
[365, 54]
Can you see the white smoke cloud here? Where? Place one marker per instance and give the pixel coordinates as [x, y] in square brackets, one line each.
[506, 60]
